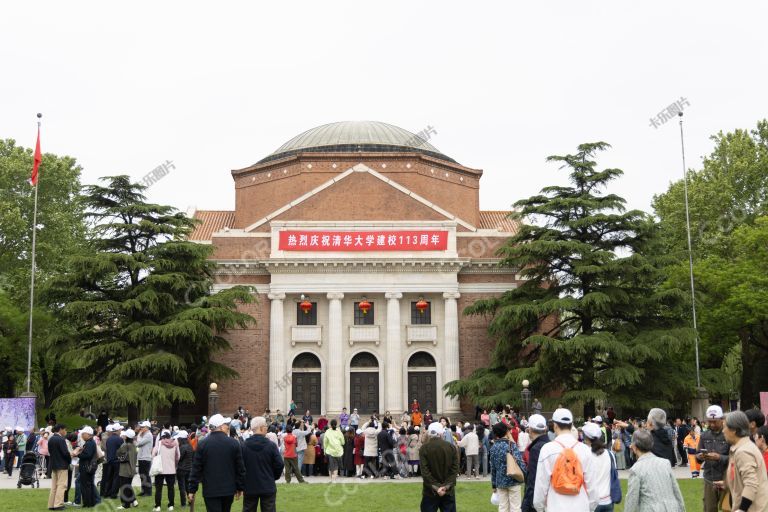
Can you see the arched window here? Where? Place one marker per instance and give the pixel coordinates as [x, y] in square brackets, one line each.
[421, 360]
[364, 360]
[306, 360]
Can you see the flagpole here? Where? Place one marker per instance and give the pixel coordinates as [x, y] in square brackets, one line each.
[32, 283]
[690, 252]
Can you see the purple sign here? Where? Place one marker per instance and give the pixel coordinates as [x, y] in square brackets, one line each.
[17, 412]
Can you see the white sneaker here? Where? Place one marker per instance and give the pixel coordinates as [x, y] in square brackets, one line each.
[156, 509]
[170, 507]
[120, 508]
[135, 503]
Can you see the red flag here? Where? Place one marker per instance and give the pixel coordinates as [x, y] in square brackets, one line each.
[38, 160]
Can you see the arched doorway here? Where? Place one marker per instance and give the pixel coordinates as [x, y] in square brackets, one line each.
[422, 381]
[364, 383]
[306, 383]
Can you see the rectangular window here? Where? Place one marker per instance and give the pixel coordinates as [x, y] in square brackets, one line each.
[421, 318]
[309, 318]
[363, 318]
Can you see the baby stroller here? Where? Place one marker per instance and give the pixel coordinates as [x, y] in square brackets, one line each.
[28, 471]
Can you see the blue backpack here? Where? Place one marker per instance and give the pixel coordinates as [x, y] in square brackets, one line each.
[615, 484]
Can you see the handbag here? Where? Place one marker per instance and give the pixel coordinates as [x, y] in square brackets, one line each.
[617, 445]
[615, 484]
[513, 469]
[157, 464]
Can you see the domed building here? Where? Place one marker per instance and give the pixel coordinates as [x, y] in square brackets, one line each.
[363, 244]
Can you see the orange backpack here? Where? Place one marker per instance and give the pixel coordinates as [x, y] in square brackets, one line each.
[567, 474]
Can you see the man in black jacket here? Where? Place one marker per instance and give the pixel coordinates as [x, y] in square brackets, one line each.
[386, 450]
[713, 453]
[263, 465]
[218, 465]
[60, 459]
[682, 430]
[537, 430]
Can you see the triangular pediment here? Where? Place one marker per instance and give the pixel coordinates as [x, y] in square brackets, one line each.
[359, 194]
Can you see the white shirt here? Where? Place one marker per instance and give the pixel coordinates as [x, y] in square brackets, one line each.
[601, 466]
[470, 443]
[523, 440]
[547, 499]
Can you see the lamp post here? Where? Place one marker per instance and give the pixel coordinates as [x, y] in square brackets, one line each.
[525, 394]
[213, 397]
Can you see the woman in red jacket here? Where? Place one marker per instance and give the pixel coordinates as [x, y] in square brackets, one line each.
[359, 449]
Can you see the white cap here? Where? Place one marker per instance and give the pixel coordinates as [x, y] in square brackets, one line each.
[597, 419]
[145, 424]
[182, 434]
[117, 426]
[436, 429]
[218, 420]
[562, 416]
[130, 434]
[359, 431]
[86, 430]
[591, 430]
[714, 412]
[110, 428]
[537, 422]
[19, 429]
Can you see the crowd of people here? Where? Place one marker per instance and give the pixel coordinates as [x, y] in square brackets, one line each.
[246, 454]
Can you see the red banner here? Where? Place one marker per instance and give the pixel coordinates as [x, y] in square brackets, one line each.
[423, 240]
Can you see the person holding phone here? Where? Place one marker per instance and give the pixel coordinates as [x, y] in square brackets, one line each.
[713, 454]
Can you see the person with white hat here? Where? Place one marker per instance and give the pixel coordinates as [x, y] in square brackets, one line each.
[713, 452]
[145, 443]
[602, 463]
[439, 463]
[218, 466]
[184, 466]
[110, 477]
[537, 431]
[88, 464]
[127, 458]
[554, 455]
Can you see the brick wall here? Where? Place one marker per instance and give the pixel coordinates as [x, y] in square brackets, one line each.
[250, 358]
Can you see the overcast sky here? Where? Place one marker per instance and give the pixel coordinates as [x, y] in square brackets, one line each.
[219, 85]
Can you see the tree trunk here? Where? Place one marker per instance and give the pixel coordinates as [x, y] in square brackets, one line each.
[175, 412]
[133, 414]
[746, 370]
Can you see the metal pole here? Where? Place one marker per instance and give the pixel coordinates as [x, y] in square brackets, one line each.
[32, 284]
[690, 252]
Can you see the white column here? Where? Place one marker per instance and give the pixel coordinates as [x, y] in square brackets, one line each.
[335, 371]
[393, 392]
[451, 351]
[278, 383]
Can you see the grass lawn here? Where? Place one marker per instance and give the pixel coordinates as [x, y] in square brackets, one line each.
[372, 497]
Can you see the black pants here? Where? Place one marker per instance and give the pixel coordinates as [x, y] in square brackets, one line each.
[251, 502]
[170, 480]
[146, 480]
[125, 491]
[219, 504]
[371, 468]
[9, 458]
[87, 489]
[445, 503]
[181, 478]
[110, 479]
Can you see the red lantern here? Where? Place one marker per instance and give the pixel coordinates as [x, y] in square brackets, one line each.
[306, 306]
[364, 306]
[422, 305]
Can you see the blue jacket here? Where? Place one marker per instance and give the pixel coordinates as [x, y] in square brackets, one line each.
[499, 450]
[218, 465]
[263, 465]
[114, 442]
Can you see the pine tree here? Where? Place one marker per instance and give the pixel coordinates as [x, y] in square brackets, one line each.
[145, 325]
[591, 320]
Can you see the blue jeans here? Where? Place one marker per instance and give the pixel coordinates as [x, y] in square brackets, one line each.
[300, 453]
[604, 508]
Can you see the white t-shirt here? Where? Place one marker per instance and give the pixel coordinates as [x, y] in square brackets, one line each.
[523, 440]
[545, 498]
[601, 467]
